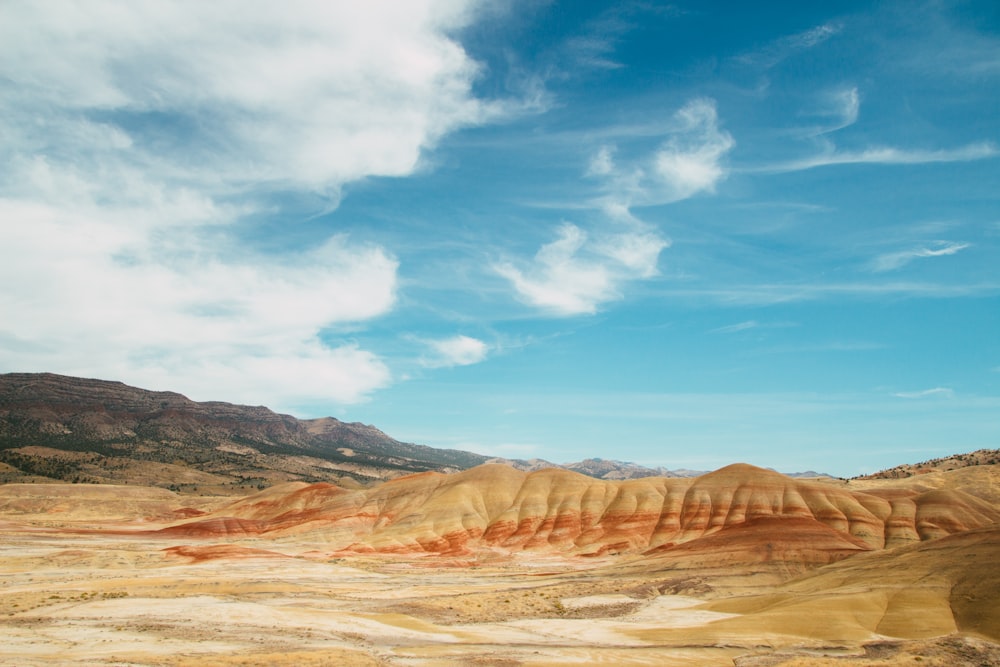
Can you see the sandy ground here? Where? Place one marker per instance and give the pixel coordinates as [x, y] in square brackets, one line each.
[102, 599]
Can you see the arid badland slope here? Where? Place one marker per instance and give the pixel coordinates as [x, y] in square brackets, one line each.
[495, 507]
[484, 565]
[496, 566]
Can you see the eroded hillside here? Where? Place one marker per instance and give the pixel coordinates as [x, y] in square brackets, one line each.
[499, 508]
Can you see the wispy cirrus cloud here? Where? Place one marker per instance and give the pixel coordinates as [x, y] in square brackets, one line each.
[885, 155]
[895, 260]
[749, 325]
[736, 328]
[775, 52]
[844, 107]
[594, 46]
[942, 392]
[780, 293]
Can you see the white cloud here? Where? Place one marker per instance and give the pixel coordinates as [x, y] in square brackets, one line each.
[602, 162]
[887, 155]
[307, 94]
[844, 107]
[139, 136]
[894, 260]
[574, 275]
[777, 293]
[850, 106]
[636, 251]
[785, 47]
[592, 51]
[561, 281]
[749, 325]
[690, 160]
[736, 328]
[456, 351]
[944, 392]
[92, 298]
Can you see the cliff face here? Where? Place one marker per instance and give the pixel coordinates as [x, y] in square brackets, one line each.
[93, 430]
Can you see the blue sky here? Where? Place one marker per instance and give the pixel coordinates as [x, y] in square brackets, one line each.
[678, 234]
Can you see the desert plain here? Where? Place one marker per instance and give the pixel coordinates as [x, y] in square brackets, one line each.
[494, 566]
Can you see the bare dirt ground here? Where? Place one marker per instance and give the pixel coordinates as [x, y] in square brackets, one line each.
[97, 599]
[75, 590]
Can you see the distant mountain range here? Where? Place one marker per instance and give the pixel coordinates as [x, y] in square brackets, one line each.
[54, 427]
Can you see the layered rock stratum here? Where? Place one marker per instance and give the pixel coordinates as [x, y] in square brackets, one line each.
[740, 567]
[754, 513]
[493, 565]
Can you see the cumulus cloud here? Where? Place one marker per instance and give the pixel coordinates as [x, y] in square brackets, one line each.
[690, 160]
[574, 275]
[456, 351]
[138, 138]
[895, 260]
[579, 271]
[92, 297]
[308, 94]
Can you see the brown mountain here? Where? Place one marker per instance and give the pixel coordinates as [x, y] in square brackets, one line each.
[59, 428]
[54, 427]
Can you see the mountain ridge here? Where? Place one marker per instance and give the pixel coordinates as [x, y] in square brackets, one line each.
[62, 428]
[80, 429]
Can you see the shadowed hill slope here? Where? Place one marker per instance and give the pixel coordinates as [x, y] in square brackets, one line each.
[924, 590]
